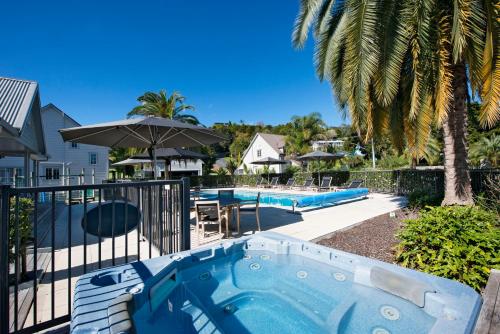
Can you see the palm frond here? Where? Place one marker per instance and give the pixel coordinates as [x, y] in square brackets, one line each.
[307, 13]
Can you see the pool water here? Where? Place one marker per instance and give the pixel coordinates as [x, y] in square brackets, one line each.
[270, 198]
[263, 292]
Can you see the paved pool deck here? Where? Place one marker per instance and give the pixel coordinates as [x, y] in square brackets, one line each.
[323, 222]
[314, 224]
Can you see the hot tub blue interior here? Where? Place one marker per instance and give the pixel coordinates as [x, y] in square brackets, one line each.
[272, 284]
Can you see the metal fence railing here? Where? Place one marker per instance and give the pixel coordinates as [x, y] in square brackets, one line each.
[48, 241]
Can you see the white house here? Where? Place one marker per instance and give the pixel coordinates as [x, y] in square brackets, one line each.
[22, 143]
[322, 144]
[67, 163]
[177, 168]
[67, 160]
[263, 145]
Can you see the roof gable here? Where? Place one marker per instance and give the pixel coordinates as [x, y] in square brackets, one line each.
[276, 142]
[16, 100]
[51, 106]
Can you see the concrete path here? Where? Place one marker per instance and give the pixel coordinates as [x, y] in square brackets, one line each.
[317, 223]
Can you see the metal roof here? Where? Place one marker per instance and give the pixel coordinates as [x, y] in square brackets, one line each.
[16, 97]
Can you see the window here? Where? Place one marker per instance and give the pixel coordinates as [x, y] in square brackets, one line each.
[51, 173]
[48, 173]
[74, 145]
[93, 158]
[259, 153]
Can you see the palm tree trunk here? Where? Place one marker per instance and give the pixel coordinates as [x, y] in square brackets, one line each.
[457, 188]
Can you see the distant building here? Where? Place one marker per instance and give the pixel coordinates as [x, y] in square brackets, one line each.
[324, 144]
[22, 143]
[263, 145]
[67, 163]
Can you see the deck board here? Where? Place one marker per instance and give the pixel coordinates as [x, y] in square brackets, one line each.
[489, 318]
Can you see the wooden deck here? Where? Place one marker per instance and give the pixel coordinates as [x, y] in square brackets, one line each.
[489, 318]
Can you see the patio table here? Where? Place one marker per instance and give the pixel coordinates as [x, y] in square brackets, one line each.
[227, 204]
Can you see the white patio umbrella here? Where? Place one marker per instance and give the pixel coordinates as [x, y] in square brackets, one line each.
[148, 132]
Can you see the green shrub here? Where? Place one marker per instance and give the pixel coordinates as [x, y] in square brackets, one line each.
[457, 242]
[25, 229]
[422, 198]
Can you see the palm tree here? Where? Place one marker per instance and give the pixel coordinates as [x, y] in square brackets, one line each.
[304, 129]
[161, 105]
[487, 149]
[402, 65]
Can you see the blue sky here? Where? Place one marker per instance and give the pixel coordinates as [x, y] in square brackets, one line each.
[233, 60]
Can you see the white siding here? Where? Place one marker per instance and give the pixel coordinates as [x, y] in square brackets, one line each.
[266, 151]
[63, 156]
[73, 160]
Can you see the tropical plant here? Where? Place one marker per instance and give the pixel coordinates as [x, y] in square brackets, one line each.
[457, 242]
[162, 105]
[221, 171]
[21, 211]
[232, 165]
[486, 149]
[403, 65]
[304, 129]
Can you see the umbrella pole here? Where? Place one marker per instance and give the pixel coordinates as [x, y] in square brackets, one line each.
[154, 162]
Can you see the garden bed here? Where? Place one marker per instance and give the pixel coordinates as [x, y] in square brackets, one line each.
[372, 238]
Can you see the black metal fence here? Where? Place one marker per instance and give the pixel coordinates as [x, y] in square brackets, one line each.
[400, 182]
[49, 238]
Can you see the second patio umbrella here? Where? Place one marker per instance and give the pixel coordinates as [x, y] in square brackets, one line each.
[320, 155]
[148, 132]
[268, 161]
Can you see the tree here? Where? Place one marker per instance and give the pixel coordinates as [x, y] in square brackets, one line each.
[161, 105]
[406, 64]
[304, 129]
[232, 164]
[487, 149]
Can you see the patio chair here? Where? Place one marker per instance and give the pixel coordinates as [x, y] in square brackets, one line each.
[307, 184]
[249, 206]
[325, 184]
[354, 184]
[207, 213]
[289, 184]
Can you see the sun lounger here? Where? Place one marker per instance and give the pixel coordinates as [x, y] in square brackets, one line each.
[289, 184]
[325, 184]
[274, 182]
[307, 184]
[353, 185]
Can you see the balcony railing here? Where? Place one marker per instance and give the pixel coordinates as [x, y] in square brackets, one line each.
[51, 235]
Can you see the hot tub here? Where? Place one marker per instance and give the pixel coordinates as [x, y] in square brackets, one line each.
[269, 283]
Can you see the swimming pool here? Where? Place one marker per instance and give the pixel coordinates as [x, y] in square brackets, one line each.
[270, 198]
[269, 283]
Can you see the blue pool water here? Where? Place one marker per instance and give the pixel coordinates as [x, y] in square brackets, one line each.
[270, 283]
[281, 199]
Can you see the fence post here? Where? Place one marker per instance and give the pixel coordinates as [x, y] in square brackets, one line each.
[186, 219]
[4, 258]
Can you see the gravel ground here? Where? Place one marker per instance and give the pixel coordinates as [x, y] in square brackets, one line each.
[373, 238]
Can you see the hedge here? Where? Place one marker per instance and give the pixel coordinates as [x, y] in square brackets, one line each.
[400, 182]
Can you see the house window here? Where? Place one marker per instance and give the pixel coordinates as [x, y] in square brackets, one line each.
[48, 173]
[93, 158]
[51, 173]
[259, 153]
[74, 145]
